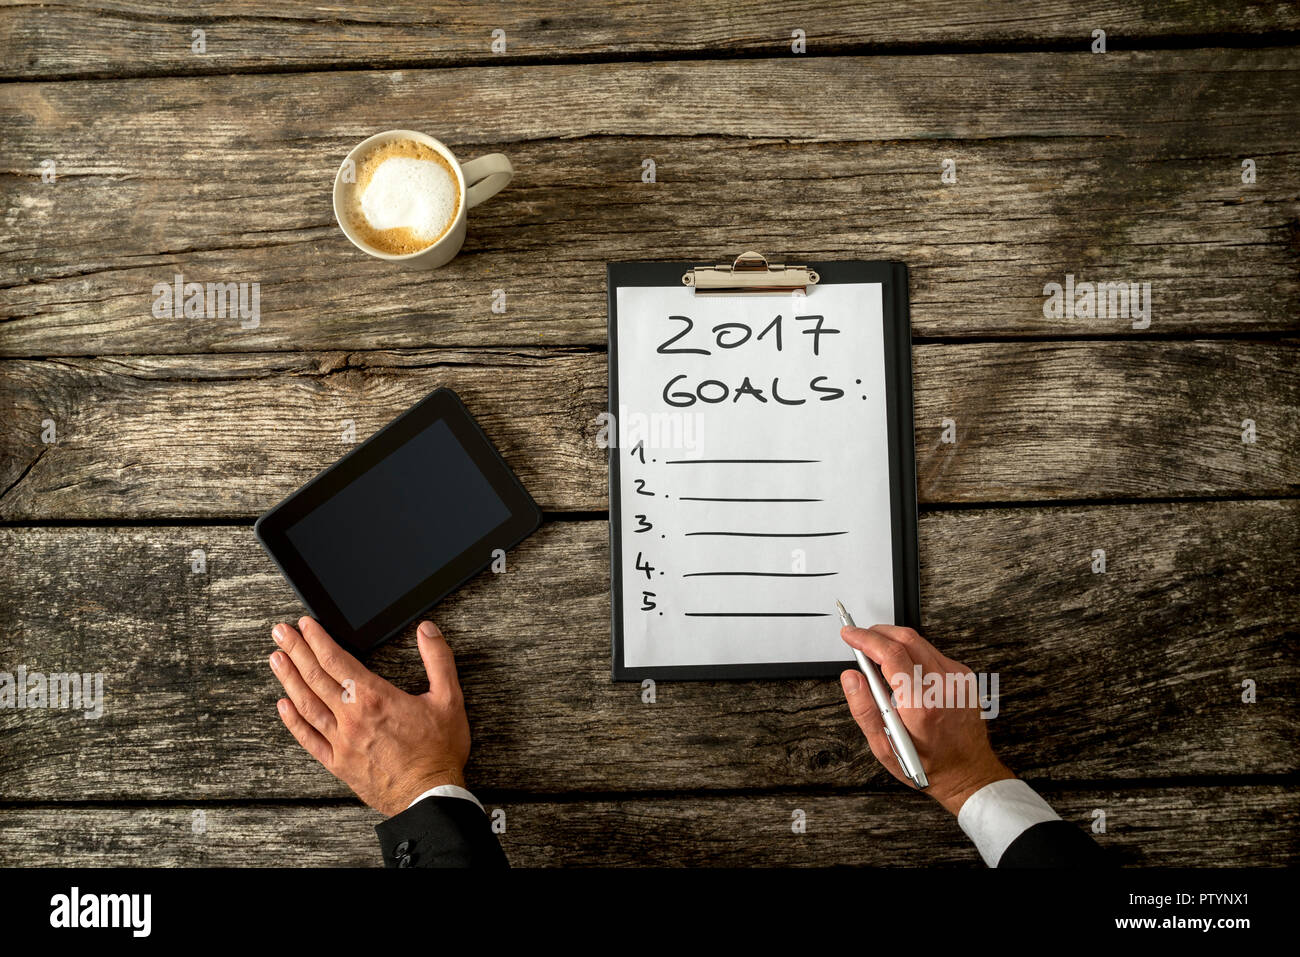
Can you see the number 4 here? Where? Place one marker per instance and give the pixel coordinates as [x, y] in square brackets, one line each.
[646, 567]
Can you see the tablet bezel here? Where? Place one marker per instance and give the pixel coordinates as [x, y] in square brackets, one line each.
[441, 405]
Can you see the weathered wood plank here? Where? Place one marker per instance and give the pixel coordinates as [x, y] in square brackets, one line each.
[1185, 827]
[228, 436]
[1193, 602]
[180, 420]
[1124, 167]
[132, 37]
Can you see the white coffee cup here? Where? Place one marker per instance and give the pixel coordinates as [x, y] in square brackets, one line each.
[485, 176]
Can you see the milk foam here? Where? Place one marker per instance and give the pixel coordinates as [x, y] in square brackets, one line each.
[415, 194]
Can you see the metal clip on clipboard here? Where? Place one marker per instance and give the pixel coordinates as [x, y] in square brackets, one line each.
[751, 272]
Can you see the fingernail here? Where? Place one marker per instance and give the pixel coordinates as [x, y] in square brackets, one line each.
[278, 634]
[851, 682]
[282, 706]
[429, 630]
[275, 661]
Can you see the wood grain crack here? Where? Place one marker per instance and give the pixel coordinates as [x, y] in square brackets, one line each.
[12, 485]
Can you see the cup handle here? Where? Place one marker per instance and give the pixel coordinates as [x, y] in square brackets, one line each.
[486, 176]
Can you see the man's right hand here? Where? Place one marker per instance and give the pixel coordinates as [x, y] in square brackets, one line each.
[953, 742]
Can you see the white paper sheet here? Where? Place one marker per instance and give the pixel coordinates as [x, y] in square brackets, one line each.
[753, 581]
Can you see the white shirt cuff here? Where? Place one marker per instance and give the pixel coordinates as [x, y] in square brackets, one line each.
[1000, 812]
[449, 791]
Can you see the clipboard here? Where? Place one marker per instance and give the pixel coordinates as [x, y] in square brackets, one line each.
[720, 603]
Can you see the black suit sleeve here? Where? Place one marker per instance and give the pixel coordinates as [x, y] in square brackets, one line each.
[440, 832]
[1054, 844]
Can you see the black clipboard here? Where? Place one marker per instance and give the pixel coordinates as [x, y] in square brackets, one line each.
[751, 273]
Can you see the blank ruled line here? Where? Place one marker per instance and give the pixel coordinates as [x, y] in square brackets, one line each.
[701, 498]
[743, 461]
[756, 614]
[772, 534]
[763, 574]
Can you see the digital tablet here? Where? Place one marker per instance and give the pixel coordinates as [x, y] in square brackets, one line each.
[398, 523]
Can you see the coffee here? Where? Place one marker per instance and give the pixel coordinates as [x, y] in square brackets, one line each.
[405, 198]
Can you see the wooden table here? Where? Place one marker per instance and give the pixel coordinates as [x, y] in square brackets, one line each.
[1122, 691]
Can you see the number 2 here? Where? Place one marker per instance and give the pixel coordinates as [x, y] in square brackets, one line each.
[690, 324]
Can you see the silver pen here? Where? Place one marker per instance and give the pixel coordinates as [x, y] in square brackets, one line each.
[899, 740]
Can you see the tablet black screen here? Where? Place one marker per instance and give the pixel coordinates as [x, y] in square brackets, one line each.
[412, 512]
